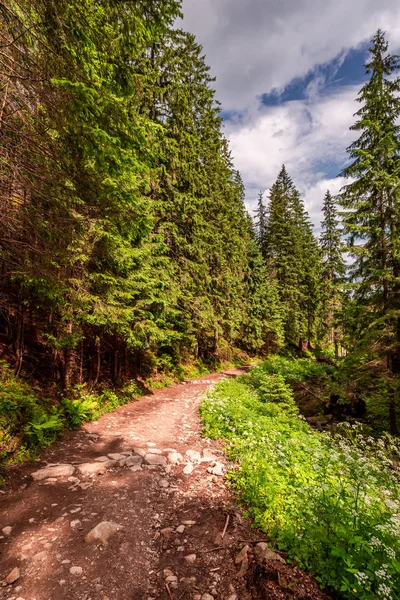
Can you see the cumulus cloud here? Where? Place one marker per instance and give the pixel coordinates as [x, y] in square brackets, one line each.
[256, 46]
[309, 136]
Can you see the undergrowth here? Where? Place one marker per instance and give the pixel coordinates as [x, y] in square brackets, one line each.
[30, 422]
[332, 503]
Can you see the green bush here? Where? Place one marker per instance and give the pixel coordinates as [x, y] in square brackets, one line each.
[29, 422]
[332, 503]
[291, 370]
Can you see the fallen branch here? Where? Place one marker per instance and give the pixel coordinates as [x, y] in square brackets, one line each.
[169, 591]
[226, 526]
[310, 392]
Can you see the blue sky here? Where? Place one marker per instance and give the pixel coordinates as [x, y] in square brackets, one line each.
[288, 72]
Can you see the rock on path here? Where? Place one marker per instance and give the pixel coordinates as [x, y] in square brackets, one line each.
[125, 508]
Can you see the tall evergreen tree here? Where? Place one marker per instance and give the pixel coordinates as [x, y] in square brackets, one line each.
[293, 260]
[372, 210]
[261, 223]
[333, 269]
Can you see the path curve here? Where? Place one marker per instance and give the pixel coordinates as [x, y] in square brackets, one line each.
[151, 494]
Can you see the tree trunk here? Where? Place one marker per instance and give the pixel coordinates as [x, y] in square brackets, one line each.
[19, 343]
[393, 364]
[68, 361]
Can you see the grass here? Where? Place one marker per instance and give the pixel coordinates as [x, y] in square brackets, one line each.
[332, 503]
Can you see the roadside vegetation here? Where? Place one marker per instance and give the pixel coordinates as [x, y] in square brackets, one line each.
[330, 501]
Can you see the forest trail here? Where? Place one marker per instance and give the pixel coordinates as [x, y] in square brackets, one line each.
[165, 520]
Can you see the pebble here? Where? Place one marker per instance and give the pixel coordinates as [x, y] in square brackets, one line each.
[7, 530]
[175, 458]
[140, 452]
[208, 456]
[75, 523]
[116, 456]
[263, 552]
[102, 532]
[136, 468]
[180, 529]
[164, 483]
[190, 558]
[101, 459]
[62, 582]
[193, 455]
[155, 451]
[155, 459]
[77, 571]
[207, 597]
[168, 573]
[217, 469]
[188, 469]
[242, 554]
[13, 576]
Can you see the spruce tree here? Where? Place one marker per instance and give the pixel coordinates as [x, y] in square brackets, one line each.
[293, 259]
[371, 208]
[261, 223]
[333, 269]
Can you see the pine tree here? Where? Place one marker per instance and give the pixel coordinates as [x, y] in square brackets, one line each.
[333, 269]
[372, 210]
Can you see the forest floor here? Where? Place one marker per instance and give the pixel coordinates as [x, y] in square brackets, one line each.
[152, 495]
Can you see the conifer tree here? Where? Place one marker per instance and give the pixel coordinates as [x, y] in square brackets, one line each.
[261, 223]
[372, 210]
[333, 269]
[293, 260]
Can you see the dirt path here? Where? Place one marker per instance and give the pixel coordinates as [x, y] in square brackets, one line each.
[145, 472]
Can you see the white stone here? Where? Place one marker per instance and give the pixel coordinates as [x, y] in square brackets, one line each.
[77, 571]
[193, 455]
[190, 558]
[140, 452]
[55, 471]
[175, 458]
[155, 459]
[102, 532]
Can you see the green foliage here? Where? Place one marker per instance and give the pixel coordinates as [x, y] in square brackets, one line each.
[291, 370]
[371, 214]
[29, 422]
[332, 503]
[333, 272]
[293, 260]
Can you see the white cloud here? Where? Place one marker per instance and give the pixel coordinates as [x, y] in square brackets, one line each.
[255, 46]
[259, 46]
[309, 136]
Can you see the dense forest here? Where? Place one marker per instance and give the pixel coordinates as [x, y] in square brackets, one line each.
[125, 244]
[127, 256]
